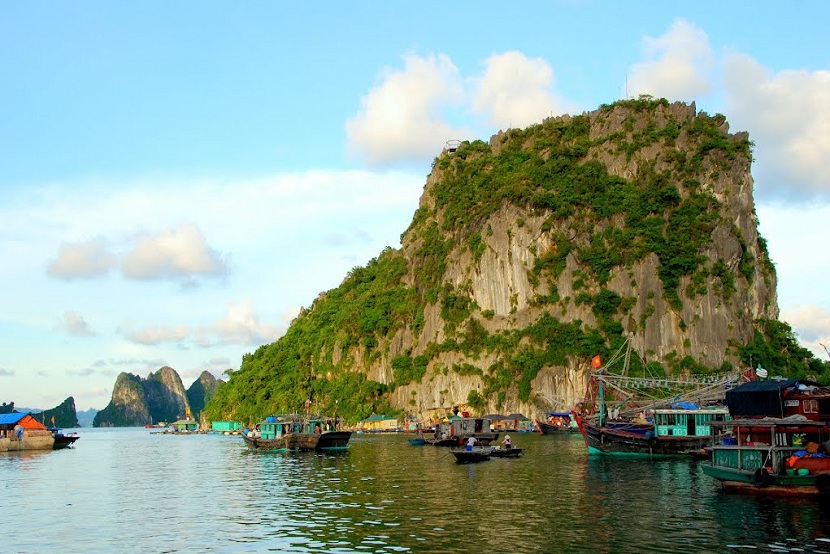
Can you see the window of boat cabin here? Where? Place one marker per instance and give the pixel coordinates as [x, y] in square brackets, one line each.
[810, 406]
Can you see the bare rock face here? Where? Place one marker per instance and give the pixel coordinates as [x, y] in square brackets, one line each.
[700, 312]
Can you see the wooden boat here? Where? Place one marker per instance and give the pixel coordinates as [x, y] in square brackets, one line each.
[556, 423]
[649, 416]
[473, 455]
[772, 456]
[333, 440]
[502, 452]
[457, 430]
[297, 433]
[673, 432]
[62, 440]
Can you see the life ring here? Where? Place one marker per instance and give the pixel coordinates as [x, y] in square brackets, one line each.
[761, 478]
[823, 483]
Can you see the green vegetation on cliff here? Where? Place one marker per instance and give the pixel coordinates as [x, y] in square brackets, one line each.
[64, 415]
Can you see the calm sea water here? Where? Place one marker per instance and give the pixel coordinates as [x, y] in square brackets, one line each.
[127, 490]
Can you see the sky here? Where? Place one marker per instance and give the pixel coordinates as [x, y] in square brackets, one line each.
[179, 179]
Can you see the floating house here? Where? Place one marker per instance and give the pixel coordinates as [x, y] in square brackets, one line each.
[185, 426]
[378, 423]
[20, 431]
[233, 427]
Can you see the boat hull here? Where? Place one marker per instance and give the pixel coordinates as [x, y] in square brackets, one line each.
[334, 440]
[769, 484]
[291, 441]
[513, 452]
[464, 456]
[64, 441]
[639, 440]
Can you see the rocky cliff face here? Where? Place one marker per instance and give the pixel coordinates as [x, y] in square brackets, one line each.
[709, 310]
[201, 391]
[136, 401]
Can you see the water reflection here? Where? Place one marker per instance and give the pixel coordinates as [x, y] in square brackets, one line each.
[129, 491]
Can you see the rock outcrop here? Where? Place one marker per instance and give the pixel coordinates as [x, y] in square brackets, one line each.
[532, 253]
[160, 397]
[64, 415]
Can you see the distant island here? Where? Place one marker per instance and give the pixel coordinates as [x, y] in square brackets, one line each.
[63, 415]
[161, 397]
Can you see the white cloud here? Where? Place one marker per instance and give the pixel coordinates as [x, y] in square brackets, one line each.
[678, 65]
[176, 253]
[813, 327]
[155, 334]
[788, 117]
[240, 326]
[401, 118]
[82, 260]
[515, 91]
[76, 325]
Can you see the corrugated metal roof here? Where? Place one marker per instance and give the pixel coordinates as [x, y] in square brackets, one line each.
[11, 419]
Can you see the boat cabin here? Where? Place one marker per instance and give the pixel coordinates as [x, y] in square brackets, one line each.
[687, 422]
[185, 425]
[462, 428]
[780, 398]
[273, 428]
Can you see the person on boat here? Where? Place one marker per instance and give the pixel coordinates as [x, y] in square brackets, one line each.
[471, 442]
[507, 442]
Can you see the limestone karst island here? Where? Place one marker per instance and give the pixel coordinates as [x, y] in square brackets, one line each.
[631, 227]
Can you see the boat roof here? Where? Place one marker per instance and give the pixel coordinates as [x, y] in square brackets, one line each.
[761, 398]
[559, 414]
[770, 422]
[14, 417]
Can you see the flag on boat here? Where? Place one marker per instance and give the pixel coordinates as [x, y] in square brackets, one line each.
[53, 420]
[596, 362]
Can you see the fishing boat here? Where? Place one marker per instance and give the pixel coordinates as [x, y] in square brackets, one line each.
[506, 452]
[650, 416]
[281, 433]
[292, 432]
[472, 455]
[672, 432]
[62, 440]
[772, 456]
[457, 430]
[556, 423]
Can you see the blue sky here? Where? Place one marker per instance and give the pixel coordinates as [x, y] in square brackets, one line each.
[180, 178]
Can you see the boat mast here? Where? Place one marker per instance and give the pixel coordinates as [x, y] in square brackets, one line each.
[601, 395]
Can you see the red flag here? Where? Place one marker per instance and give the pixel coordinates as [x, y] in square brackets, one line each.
[596, 362]
[53, 420]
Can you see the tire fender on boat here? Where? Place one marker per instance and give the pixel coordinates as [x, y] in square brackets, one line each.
[761, 478]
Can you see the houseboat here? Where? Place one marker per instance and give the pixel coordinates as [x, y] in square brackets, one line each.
[297, 433]
[671, 432]
[457, 430]
[772, 456]
[780, 398]
[19, 431]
